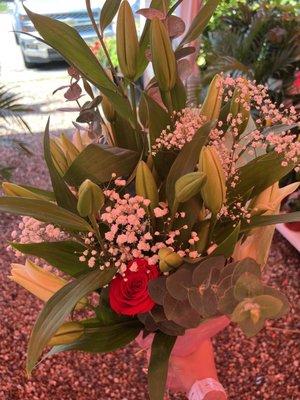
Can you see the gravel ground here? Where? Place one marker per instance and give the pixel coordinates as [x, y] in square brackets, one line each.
[265, 367]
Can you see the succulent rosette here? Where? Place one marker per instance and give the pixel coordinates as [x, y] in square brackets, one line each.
[161, 214]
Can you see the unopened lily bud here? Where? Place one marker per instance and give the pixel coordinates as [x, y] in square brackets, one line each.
[240, 107]
[90, 198]
[67, 333]
[212, 104]
[108, 109]
[188, 186]
[58, 157]
[10, 189]
[163, 57]
[168, 259]
[70, 151]
[127, 41]
[214, 189]
[145, 184]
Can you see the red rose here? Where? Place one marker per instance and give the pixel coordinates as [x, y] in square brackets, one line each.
[128, 295]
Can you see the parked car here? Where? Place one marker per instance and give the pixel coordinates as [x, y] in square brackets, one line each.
[71, 12]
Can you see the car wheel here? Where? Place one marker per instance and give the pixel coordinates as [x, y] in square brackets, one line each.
[28, 64]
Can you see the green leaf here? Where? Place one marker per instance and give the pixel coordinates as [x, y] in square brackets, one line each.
[64, 197]
[59, 307]
[67, 41]
[259, 174]
[179, 282]
[108, 12]
[159, 119]
[157, 289]
[181, 312]
[158, 367]
[204, 302]
[44, 211]
[276, 293]
[226, 248]
[186, 160]
[270, 306]
[204, 270]
[145, 41]
[248, 285]
[265, 220]
[98, 338]
[200, 21]
[178, 95]
[124, 134]
[63, 255]
[98, 163]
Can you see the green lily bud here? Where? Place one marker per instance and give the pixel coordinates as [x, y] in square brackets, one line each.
[238, 107]
[212, 104]
[127, 41]
[145, 184]
[188, 186]
[67, 333]
[163, 57]
[90, 198]
[58, 157]
[168, 259]
[214, 189]
[10, 189]
[108, 109]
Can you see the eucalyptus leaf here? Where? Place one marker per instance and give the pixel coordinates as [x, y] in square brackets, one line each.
[63, 255]
[59, 307]
[64, 197]
[157, 289]
[248, 285]
[179, 282]
[44, 211]
[98, 163]
[181, 312]
[162, 346]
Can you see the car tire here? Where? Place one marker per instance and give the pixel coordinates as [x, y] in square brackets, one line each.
[28, 64]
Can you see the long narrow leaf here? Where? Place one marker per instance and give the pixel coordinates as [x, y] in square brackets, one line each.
[63, 255]
[59, 307]
[44, 211]
[158, 367]
[200, 21]
[67, 41]
[265, 220]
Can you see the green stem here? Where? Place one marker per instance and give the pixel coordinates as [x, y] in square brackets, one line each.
[133, 104]
[97, 232]
[213, 222]
[168, 99]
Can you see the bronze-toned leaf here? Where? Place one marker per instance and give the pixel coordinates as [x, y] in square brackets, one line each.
[157, 289]
[179, 282]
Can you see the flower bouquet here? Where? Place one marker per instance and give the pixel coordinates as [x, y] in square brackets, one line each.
[165, 222]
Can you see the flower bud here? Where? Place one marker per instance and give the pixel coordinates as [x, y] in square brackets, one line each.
[163, 57]
[58, 157]
[168, 259]
[90, 198]
[127, 41]
[108, 109]
[10, 189]
[145, 184]
[67, 333]
[214, 189]
[188, 186]
[212, 104]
